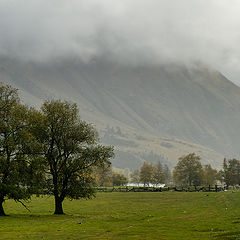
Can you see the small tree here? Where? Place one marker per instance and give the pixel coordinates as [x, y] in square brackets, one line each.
[220, 176]
[188, 170]
[158, 174]
[167, 174]
[119, 179]
[231, 169]
[71, 150]
[146, 173]
[103, 175]
[135, 176]
[227, 174]
[209, 175]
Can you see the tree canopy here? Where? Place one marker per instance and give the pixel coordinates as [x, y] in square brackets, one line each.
[146, 173]
[209, 175]
[188, 170]
[70, 148]
[158, 174]
[50, 150]
[16, 165]
[231, 171]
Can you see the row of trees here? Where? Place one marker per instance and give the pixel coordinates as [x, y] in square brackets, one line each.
[151, 174]
[50, 150]
[106, 176]
[188, 171]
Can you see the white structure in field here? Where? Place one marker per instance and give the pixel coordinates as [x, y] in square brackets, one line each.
[142, 185]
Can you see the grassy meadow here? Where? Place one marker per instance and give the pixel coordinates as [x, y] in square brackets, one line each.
[165, 215]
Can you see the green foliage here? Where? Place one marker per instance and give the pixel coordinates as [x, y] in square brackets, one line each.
[103, 175]
[119, 179]
[16, 175]
[188, 170]
[150, 174]
[147, 173]
[231, 170]
[70, 148]
[158, 174]
[209, 175]
[167, 174]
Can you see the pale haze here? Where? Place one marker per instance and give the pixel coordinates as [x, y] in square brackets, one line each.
[151, 75]
[138, 32]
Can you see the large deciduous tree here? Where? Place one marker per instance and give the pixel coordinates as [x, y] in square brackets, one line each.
[70, 148]
[188, 170]
[16, 169]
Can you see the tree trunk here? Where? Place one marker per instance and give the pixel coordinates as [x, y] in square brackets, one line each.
[58, 206]
[2, 213]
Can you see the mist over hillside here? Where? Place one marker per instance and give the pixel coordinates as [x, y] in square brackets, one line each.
[164, 110]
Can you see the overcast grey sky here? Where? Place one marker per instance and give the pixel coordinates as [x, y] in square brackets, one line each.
[129, 31]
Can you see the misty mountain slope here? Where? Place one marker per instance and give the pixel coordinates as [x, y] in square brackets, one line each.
[197, 105]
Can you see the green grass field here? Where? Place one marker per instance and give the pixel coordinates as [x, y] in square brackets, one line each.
[166, 215]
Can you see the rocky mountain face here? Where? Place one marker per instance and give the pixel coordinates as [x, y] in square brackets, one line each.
[147, 112]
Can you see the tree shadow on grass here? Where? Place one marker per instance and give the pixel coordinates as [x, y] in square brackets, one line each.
[36, 215]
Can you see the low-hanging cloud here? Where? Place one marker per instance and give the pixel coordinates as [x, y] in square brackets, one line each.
[129, 31]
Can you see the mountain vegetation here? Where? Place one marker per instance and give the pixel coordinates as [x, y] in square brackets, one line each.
[170, 110]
